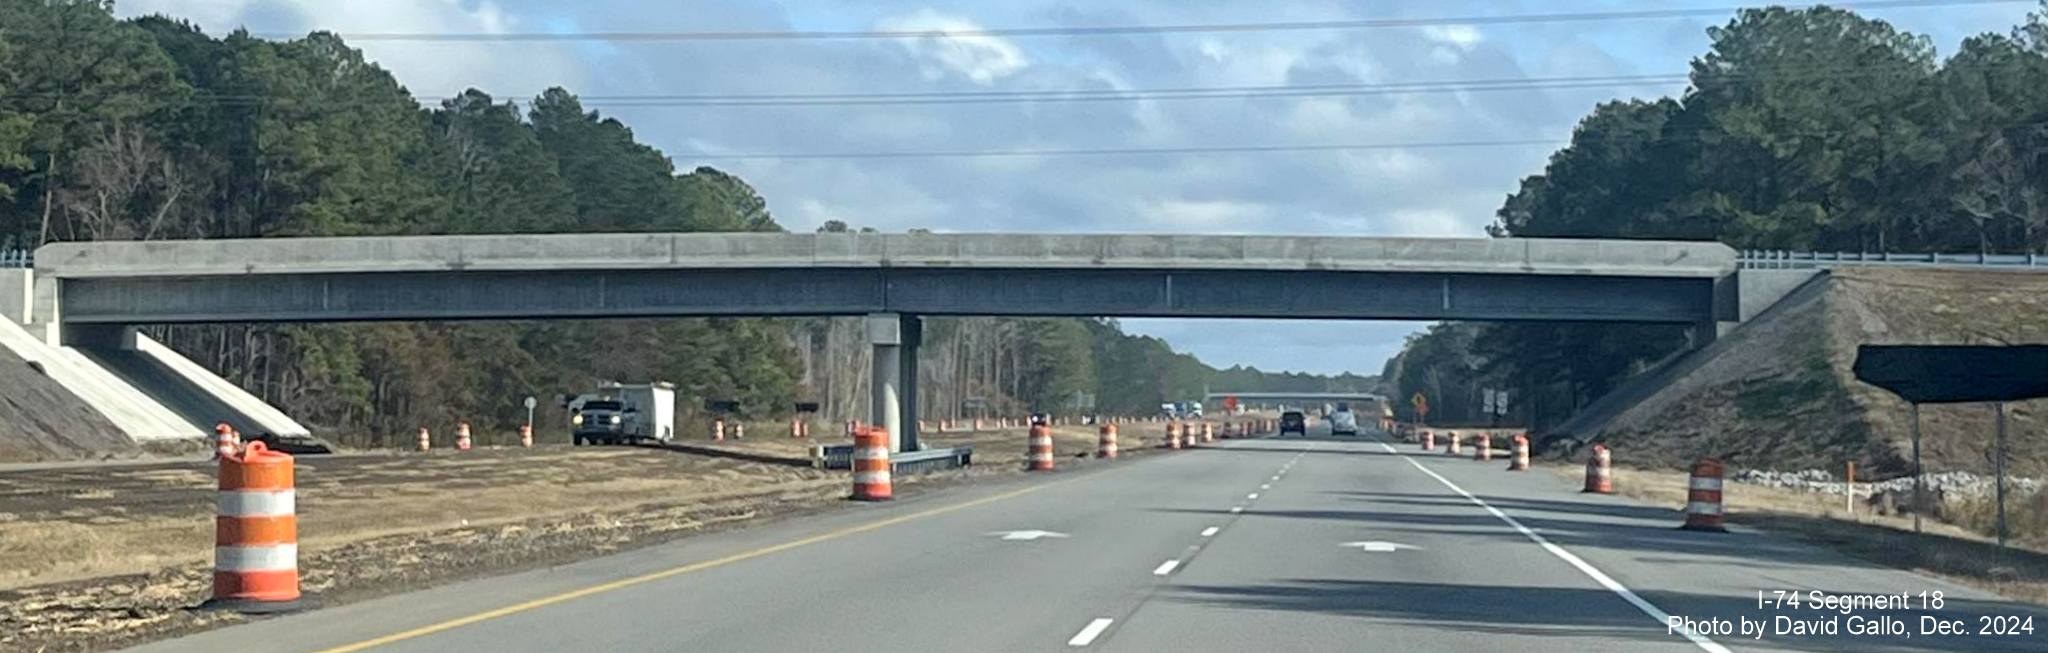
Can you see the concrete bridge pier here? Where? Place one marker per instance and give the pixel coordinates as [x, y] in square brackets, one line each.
[896, 338]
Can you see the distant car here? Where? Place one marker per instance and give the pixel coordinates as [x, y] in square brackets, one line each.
[1343, 422]
[1293, 421]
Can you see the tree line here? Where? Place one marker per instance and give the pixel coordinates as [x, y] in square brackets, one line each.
[1801, 129]
[152, 129]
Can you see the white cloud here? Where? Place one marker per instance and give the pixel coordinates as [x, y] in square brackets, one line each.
[1183, 215]
[427, 69]
[983, 59]
[1424, 223]
[1462, 37]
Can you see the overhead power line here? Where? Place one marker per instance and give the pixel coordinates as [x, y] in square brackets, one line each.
[1219, 149]
[1665, 137]
[1113, 94]
[1107, 30]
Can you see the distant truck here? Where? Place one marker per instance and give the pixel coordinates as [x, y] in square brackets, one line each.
[624, 413]
[1343, 421]
[1181, 410]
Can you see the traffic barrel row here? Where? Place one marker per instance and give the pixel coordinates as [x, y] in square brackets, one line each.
[1704, 508]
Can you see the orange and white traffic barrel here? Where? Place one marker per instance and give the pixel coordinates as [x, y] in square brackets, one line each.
[739, 430]
[1208, 433]
[1429, 441]
[1482, 447]
[1173, 435]
[526, 436]
[224, 443]
[1520, 461]
[255, 533]
[1039, 448]
[1703, 497]
[426, 440]
[1452, 446]
[718, 429]
[1105, 442]
[852, 428]
[871, 465]
[462, 436]
[1600, 471]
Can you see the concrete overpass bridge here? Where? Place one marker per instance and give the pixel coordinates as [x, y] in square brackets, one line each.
[95, 291]
[1263, 398]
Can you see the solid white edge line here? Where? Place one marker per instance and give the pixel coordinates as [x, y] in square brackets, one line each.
[1166, 568]
[1210, 531]
[1093, 630]
[1589, 570]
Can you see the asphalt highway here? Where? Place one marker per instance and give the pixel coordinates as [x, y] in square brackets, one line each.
[1275, 544]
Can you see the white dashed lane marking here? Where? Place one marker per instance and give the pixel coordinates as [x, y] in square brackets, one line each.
[1210, 531]
[1166, 568]
[1089, 633]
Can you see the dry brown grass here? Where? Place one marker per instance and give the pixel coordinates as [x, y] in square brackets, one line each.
[82, 524]
[97, 531]
[1941, 549]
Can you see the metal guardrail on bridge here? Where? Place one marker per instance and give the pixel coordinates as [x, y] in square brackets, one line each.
[1788, 260]
[17, 258]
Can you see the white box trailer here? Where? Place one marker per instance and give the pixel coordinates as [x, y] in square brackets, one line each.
[621, 413]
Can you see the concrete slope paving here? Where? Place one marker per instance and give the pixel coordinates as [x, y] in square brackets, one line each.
[1169, 553]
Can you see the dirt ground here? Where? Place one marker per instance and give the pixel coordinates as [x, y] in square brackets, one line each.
[1941, 549]
[97, 557]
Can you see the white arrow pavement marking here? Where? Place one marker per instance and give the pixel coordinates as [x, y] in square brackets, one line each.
[1088, 634]
[1379, 547]
[1026, 535]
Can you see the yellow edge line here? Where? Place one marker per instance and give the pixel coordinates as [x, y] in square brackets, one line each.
[666, 573]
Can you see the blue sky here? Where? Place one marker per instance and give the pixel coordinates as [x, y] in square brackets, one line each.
[1397, 192]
